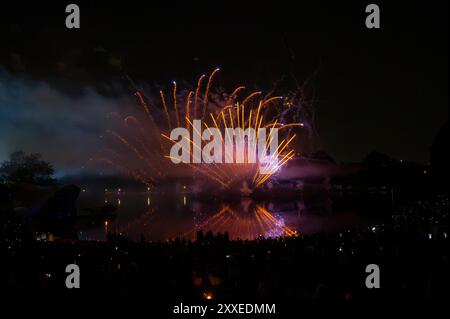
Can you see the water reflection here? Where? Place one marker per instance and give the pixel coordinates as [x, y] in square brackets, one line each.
[244, 220]
[247, 223]
[161, 217]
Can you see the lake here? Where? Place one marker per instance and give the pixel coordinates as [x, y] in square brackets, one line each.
[157, 216]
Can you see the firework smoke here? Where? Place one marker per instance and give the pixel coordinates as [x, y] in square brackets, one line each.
[141, 147]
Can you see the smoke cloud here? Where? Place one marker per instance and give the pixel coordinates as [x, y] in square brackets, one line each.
[67, 129]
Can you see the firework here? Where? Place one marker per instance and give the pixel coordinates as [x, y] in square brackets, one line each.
[145, 138]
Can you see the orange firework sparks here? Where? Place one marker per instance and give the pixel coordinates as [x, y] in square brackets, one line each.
[147, 139]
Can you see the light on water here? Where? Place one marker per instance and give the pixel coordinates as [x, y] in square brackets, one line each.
[160, 217]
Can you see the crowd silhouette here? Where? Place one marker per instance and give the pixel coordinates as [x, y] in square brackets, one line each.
[411, 251]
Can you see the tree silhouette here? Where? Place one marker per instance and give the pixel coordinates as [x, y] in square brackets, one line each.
[23, 168]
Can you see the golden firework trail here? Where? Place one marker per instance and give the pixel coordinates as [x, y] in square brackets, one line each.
[148, 138]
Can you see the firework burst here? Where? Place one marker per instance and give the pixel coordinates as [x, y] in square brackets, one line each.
[144, 140]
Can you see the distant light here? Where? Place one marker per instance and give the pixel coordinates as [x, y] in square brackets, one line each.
[208, 295]
[106, 189]
[374, 228]
[430, 236]
[148, 188]
[84, 190]
[184, 200]
[425, 171]
[106, 223]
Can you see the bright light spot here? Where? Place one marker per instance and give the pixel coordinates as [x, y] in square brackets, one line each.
[208, 295]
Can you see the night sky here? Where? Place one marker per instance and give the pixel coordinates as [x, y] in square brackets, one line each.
[384, 90]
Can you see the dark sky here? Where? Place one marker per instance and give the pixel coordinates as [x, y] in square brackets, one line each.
[384, 90]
